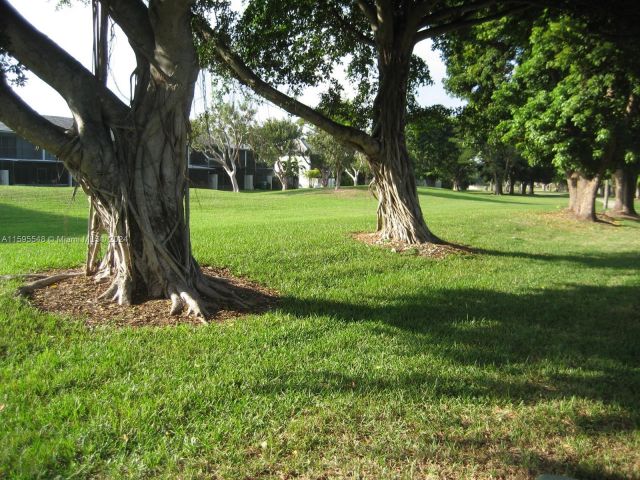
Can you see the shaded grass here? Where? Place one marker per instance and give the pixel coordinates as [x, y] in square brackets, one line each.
[519, 361]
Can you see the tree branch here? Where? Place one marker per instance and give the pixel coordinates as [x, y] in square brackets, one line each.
[29, 124]
[386, 21]
[350, 27]
[356, 138]
[132, 16]
[464, 22]
[369, 12]
[422, 11]
[53, 65]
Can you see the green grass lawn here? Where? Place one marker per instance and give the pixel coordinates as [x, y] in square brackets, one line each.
[519, 361]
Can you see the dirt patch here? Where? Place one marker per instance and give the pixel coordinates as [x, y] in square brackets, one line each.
[78, 297]
[430, 250]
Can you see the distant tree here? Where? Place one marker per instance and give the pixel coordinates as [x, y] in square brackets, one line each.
[436, 147]
[335, 156]
[298, 44]
[358, 165]
[222, 131]
[277, 142]
[574, 99]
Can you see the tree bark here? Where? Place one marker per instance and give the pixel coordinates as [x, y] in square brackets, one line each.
[582, 195]
[278, 169]
[626, 179]
[531, 187]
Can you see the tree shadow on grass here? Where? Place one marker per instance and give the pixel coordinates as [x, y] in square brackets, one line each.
[477, 197]
[587, 337]
[619, 260]
[24, 222]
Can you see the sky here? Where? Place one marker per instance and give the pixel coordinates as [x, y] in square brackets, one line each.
[71, 29]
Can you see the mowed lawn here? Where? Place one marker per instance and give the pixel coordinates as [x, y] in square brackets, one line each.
[522, 360]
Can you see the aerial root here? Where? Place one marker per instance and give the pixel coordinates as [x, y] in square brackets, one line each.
[119, 291]
[44, 281]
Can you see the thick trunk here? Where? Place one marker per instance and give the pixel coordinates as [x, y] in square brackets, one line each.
[135, 173]
[399, 213]
[510, 186]
[143, 209]
[338, 179]
[582, 195]
[523, 188]
[625, 186]
[531, 187]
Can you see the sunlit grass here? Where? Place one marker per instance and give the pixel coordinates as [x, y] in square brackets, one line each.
[522, 360]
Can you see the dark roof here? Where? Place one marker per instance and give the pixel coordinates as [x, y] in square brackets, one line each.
[64, 122]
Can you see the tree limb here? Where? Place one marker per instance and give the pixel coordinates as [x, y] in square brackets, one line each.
[356, 138]
[27, 123]
[367, 9]
[53, 65]
[132, 16]
[422, 11]
[464, 22]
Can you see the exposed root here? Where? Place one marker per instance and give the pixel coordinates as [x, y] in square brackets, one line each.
[177, 305]
[45, 282]
[425, 249]
[193, 306]
[217, 290]
[77, 297]
[22, 276]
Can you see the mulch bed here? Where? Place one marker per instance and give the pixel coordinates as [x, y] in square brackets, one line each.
[78, 297]
[430, 250]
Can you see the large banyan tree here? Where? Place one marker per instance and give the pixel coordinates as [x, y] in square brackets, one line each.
[296, 44]
[130, 159]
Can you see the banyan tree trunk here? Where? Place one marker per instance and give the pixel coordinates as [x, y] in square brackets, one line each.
[626, 179]
[136, 174]
[143, 209]
[582, 195]
[399, 213]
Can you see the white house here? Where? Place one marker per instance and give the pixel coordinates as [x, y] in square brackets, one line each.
[303, 160]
